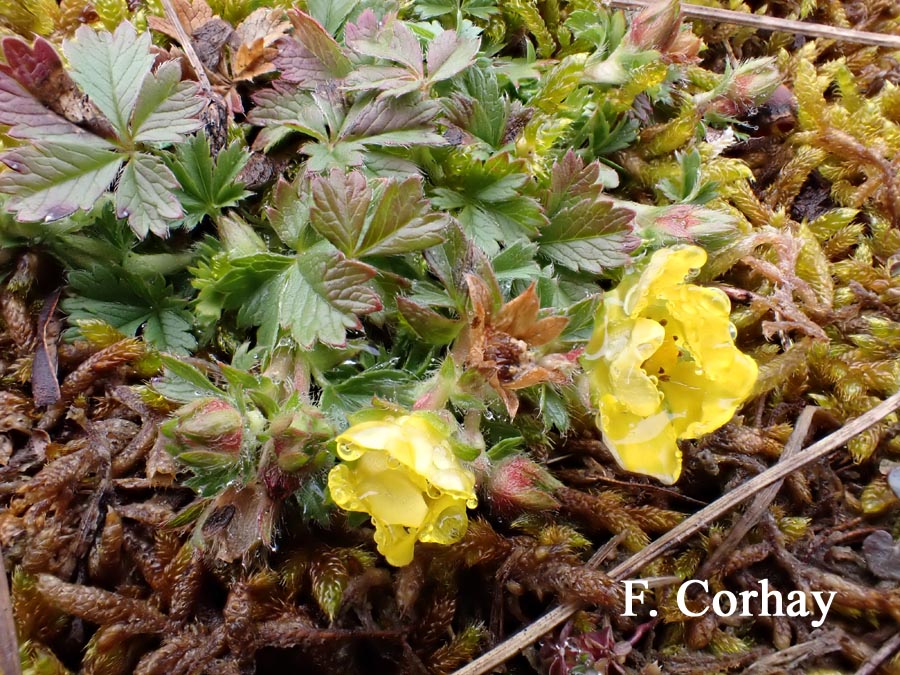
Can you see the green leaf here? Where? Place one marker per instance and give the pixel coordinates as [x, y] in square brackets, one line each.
[317, 295]
[132, 304]
[592, 236]
[449, 54]
[395, 219]
[356, 392]
[190, 374]
[288, 214]
[488, 199]
[207, 186]
[110, 69]
[50, 182]
[516, 262]
[427, 324]
[165, 108]
[331, 13]
[144, 195]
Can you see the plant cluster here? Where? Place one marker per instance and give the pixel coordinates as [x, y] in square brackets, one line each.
[320, 319]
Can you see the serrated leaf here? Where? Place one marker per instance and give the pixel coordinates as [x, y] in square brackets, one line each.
[313, 36]
[392, 122]
[298, 109]
[131, 304]
[516, 262]
[395, 219]
[356, 392]
[190, 374]
[389, 39]
[28, 72]
[402, 221]
[591, 235]
[51, 183]
[289, 213]
[331, 13]
[317, 295]
[207, 186]
[339, 206]
[110, 69]
[450, 54]
[165, 107]
[488, 200]
[144, 196]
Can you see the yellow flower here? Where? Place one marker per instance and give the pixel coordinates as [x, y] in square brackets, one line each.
[662, 363]
[403, 473]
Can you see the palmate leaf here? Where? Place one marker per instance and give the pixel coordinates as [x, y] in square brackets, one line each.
[68, 168]
[395, 219]
[342, 136]
[488, 200]
[110, 69]
[391, 40]
[315, 295]
[207, 186]
[586, 232]
[132, 304]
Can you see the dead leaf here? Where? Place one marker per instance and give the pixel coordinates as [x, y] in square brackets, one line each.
[252, 60]
[191, 13]
[208, 41]
[268, 24]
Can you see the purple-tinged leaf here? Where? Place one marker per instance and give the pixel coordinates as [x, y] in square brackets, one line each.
[165, 108]
[40, 71]
[51, 183]
[392, 122]
[449, 54]
[402, 221]
[390, 39]
[313, 36]
[392, 80]
[591, 235]
[571, 180]
[338, 211]
[29, 118]
[298, 109]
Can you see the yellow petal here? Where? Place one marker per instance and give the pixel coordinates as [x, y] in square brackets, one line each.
[389, 494]
[395, 543]
[667, 267]
[644, 445]
[634, 388]
[447, 521]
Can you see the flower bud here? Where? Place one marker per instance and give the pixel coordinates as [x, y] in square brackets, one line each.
[207, 432]
[519, 484]
[299, 437]
[656, 26]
